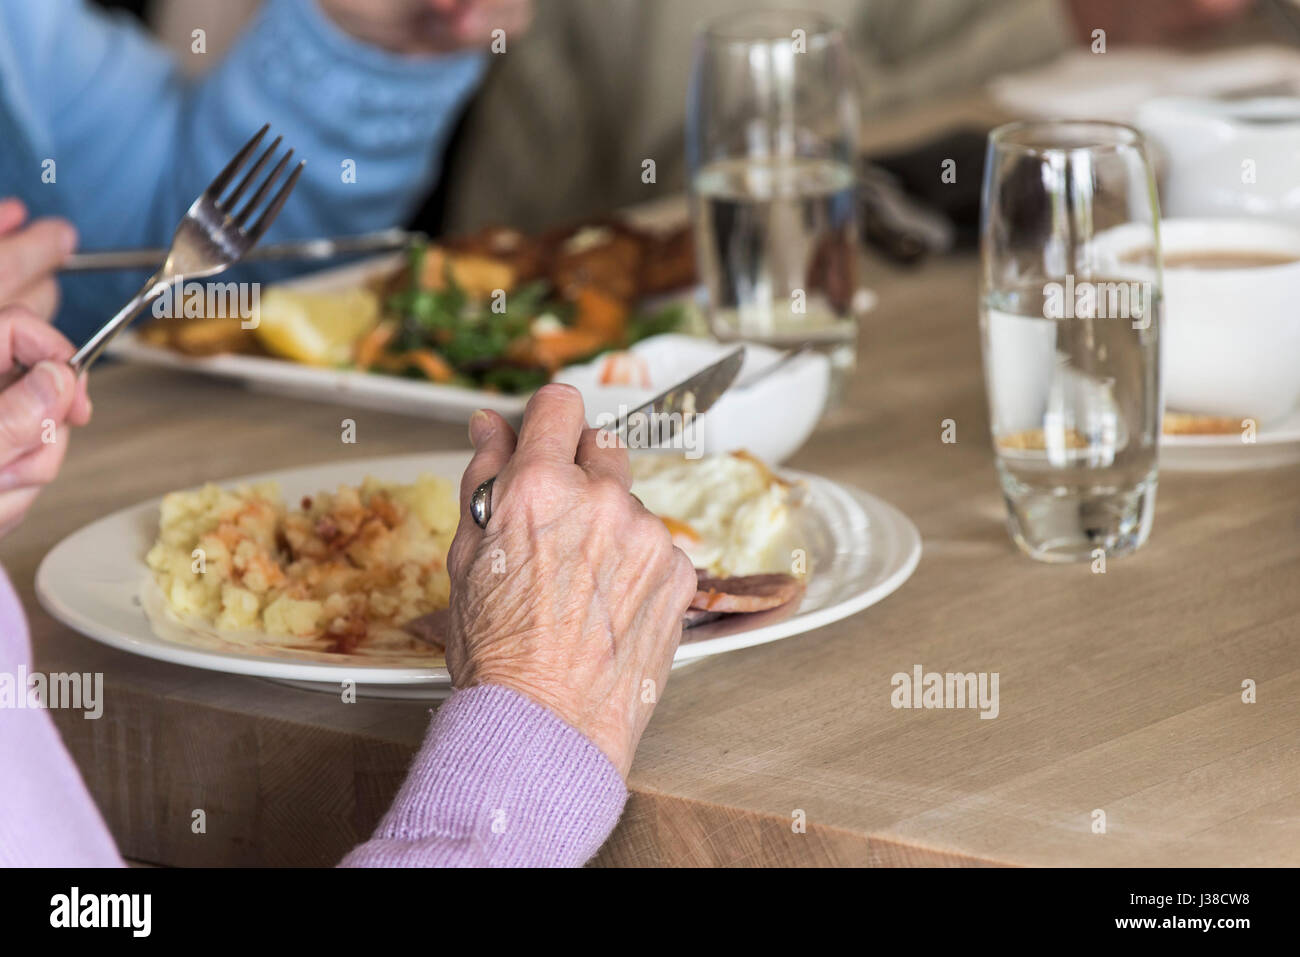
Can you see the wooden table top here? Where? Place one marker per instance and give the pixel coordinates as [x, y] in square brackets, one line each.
[1119, 692]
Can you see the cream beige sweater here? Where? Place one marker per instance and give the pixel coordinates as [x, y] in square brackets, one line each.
[567, 116]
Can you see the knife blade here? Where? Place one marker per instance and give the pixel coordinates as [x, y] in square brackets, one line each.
[693, 396]
[300, 249]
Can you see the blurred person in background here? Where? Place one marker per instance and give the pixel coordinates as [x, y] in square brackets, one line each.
[107, 142]
[601, 86]
[565, 118]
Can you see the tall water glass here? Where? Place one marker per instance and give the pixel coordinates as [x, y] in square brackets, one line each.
[772, 134]
[1070, 316]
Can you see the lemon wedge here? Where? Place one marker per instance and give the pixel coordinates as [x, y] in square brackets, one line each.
[319, 329]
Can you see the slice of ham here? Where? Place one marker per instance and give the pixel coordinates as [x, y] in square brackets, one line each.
[714, 598]
[744, 593]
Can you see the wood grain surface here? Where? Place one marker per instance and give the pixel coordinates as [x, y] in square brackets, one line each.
[1119, 692]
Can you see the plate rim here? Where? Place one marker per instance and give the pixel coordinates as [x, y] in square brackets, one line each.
[269, 372]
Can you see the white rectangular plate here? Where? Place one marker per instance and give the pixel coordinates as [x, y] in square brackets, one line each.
[368, 390]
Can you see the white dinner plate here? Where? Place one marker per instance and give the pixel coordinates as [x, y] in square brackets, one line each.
[1276, 444]
[860, 549]
[368, 390]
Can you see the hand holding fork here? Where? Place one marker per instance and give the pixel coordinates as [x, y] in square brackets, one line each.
[211, 238]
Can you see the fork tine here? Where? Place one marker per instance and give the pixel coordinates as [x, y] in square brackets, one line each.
[262, 190]
[223, 179]
[273, 210]
[244, 183]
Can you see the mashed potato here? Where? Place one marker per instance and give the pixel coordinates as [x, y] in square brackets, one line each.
[341, 573]
[729, 513]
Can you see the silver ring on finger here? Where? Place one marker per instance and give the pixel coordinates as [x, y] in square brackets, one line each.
[480, 503]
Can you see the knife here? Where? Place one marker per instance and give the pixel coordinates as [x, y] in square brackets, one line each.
[302, 249]
[678, 404]
[691, 397]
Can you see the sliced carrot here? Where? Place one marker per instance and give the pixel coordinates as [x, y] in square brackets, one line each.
[769, 477]
[601, 313]
[373, 342]
[679, 529]
[434, 274]
[478, 276]
[555, 349]
[431, 364]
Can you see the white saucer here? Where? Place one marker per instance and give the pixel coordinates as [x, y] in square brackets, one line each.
[1278, 444]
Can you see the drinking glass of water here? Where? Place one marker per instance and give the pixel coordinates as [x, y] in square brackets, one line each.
[771, 133]
[1070, 315]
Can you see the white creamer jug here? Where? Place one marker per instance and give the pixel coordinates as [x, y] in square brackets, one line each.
[1226, 157]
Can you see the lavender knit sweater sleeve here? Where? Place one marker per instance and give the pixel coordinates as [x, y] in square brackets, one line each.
[47, 818]
[500, 781]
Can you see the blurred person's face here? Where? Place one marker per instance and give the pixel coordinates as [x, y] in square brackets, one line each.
[425, 26]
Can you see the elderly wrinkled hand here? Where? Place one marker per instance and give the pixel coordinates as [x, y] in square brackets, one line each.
[574, 593]
[429, 26]
[35, 411]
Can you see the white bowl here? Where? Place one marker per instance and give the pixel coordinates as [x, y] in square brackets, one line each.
[770, 419]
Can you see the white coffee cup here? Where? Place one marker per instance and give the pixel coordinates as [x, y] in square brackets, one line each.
[1230, 343]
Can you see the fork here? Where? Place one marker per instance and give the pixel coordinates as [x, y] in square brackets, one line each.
[210, 239]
